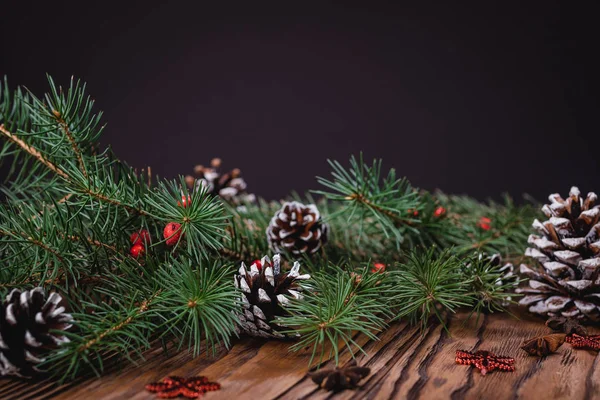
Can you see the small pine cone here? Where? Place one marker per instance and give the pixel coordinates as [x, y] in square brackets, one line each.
[565, 281]
[507, 271]
[230, 185]
[297, 228]
[27, 320]
[264, 294]
[507, 274]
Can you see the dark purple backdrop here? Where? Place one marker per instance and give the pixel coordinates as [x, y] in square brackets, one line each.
[469, 99]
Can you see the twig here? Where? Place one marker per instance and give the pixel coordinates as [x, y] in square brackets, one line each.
[33, 152]
[65, 128]
[362, 199]
[31, 240]
[143, 308]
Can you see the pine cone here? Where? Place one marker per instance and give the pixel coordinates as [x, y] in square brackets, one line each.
[507, 277]
[507, 273]
[26, 321]
[297, 228]
[230, 186]
[264, 290]
[565, 282]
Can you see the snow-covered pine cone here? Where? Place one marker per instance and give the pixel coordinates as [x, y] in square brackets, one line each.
[229, 185]
[264, 294]
[565, 282]
[26, 321]
[507, 277]
[507, 273]
[297, 228]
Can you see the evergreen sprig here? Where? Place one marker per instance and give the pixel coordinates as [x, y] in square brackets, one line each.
[198, 304]
[429, 283]
[370, 198]
[340, 304]
[71, 205]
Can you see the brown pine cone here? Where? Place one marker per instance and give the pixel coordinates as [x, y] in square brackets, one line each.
[31, 325]
[265, 292]
[565, 280]
[297, 228]
[229, 185]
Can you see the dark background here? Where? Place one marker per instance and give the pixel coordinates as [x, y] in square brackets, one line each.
[478, 99]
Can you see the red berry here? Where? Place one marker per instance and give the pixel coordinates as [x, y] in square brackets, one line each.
[378, 267]
[142, 236]
[172, 233]
[137, 250]
[185, 201]
[258, 264]
[439, 211]
[413, 212]
[485, 223]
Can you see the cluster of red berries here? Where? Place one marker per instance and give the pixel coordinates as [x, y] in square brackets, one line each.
[378, 268]
[439, 212]
[172, 233]
[485, 223]
[138, 241]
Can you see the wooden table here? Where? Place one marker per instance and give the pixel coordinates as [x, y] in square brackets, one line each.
[405, 363]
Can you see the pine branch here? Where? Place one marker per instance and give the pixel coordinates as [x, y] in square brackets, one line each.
[369, 199]
[430, 284]
[33, 152]
[339, 305]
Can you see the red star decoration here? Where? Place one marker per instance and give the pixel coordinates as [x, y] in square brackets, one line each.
[591, 342]
[174, 386]
[485, 361]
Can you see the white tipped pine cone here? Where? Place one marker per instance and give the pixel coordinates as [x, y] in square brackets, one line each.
[229, 185]
[265, 291]
[27, 322]
[297, 228]
[565, 282]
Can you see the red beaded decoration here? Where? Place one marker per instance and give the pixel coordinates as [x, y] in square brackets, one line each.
[485, 361]
[174, 386]
[591, 342]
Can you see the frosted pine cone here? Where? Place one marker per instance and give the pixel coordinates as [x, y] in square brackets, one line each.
[565, 282]
[26, 321]
[265, 292]
[230, 185]
[297, 228]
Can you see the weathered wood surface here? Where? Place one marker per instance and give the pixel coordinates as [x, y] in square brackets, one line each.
[405, 363]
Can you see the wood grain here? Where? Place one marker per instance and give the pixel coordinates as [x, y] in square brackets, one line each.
[406, 363]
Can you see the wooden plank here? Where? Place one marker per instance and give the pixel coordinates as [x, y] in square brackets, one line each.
[405, 364]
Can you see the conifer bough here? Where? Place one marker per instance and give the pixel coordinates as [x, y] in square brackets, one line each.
[72, 210]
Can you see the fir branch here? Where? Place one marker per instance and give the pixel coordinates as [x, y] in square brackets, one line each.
[144, 306]
[429, 284]
[121, 328]
[65, 128]
[368, 198]
[33, 152]
[198, 305]
[339, 305]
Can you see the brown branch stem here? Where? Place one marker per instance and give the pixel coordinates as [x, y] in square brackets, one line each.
[362, 199]
[36, 154]
[33, 241]
[145, 305]
[33, 152]
[65, 128]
